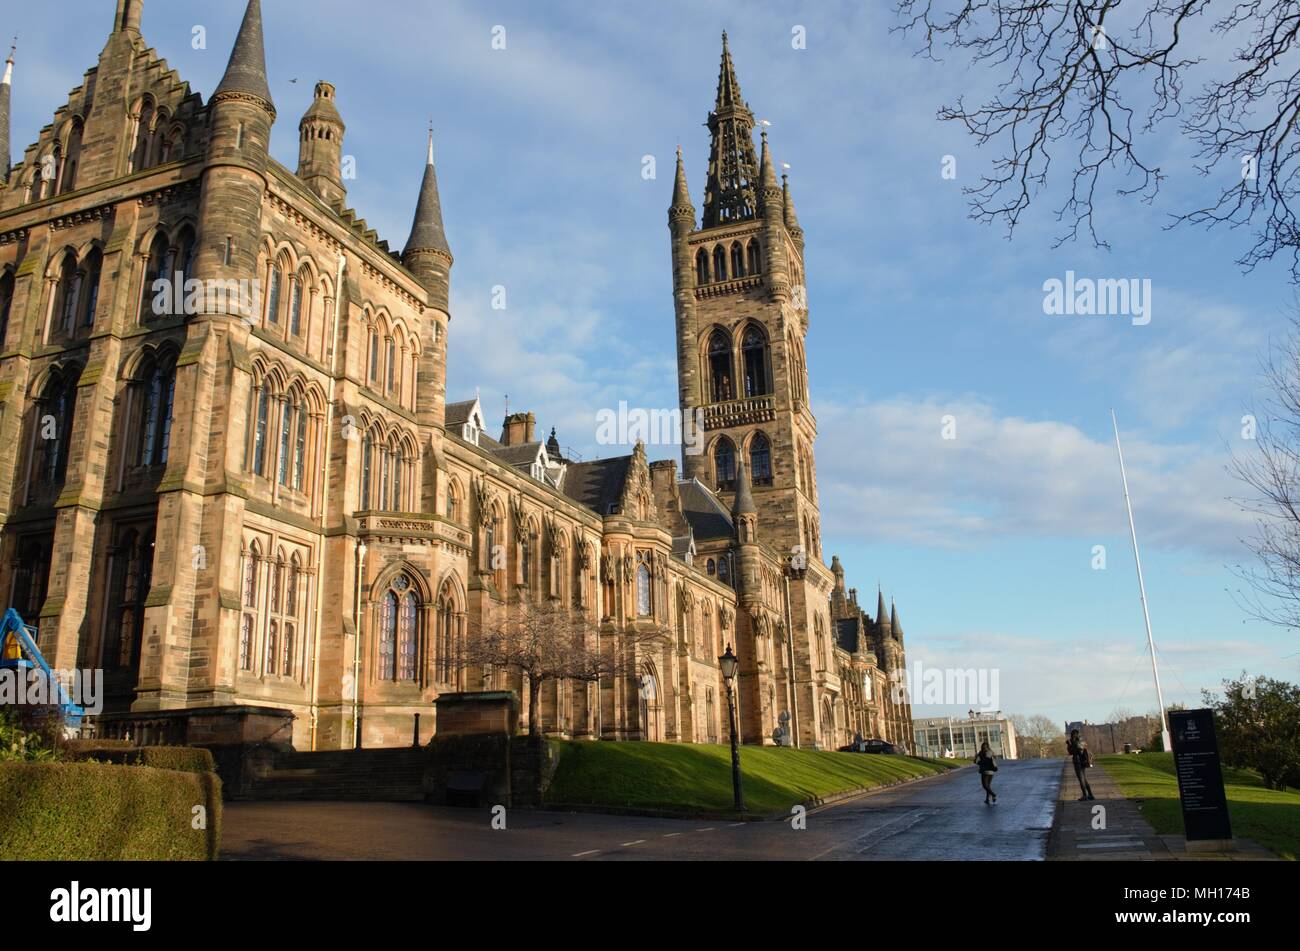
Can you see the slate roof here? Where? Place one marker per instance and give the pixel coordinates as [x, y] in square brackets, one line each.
[708, 518]
[597, 484]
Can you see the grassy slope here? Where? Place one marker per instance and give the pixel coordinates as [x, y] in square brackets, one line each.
[696, 778]
[1268, 817]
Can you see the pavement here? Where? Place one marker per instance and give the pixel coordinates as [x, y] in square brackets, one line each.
[938, 818]
[1111, 828]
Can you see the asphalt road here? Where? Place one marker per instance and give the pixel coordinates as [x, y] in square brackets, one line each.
[943, 818]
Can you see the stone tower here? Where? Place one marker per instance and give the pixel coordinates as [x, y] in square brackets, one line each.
[741, 322]
[428, 256]
[320, 147]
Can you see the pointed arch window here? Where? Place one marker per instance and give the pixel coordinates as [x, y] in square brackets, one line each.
[719, 264]
[55, 417]
[724, 571]
[701, 267]
[300, 450]
[399, 632]
[391, 361]
[374, 355]
[388, 638]
[261, 412]
[90, 289]
[248, 619]
[67, 294]
[273, 286]
[157, 391]
[131, 578]
[755, 254]
[737, 260]
[288, 414]
[406, 638]
[448, 639]
[71, 157]
[724, 465]
[155, 269]
[720, 367]
[453, 502]
[143, 137]
[6, 304]
[295, 306]
[754, 353]
[760, 460]
[367, 445]
[643, 590]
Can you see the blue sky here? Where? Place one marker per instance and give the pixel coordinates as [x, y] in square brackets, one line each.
[986, 541]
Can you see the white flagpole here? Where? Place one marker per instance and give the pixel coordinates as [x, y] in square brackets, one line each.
[1142, 590]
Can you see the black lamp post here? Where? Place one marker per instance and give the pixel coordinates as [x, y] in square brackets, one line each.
[730, 665]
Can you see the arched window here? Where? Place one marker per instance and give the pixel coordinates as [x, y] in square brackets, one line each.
[525, 559]
[300, 450]
[720, 367]
[374, 355]
[388, 638]
[261, 411]
[391, 361]
[448, 642]
[6, 304]
[737, 260]
[453, 502]
[55, 417]
[157, 391]
[643, 590]
[399, 632]
[724, 571]
[295, 303]
[755, 257]
[760, 460]
[719, 264]
[273, 285]
[288, 427]
[711, 567]
[248, 619]
[724, 465]
[157, 264]
[754, 352]
[67, 293]
[367, 445]
[90, 287]
[71, 156]
[701, 266]
[132, 559]
[143, 137]
[490, 543]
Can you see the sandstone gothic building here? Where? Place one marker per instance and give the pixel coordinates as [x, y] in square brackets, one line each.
[257, 495]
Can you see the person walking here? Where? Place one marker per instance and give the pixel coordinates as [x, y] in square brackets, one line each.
[1077, 747]
[987, 767]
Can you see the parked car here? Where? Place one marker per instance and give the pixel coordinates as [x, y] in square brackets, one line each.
[870, 746]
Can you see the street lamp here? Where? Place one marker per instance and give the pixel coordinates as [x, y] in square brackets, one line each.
[730, 665]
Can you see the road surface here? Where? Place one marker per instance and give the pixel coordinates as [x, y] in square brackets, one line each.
[940, 818]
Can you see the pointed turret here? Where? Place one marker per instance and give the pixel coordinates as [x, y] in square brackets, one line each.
[553, 447]
[5, 86]
[128, 16]
[681, 209]
[791, 219]
[320, 147]
[246, 72]
[427, 253]
[744, 504]
[770, 190]
[893, 622]
[880, 609]
[733, 167]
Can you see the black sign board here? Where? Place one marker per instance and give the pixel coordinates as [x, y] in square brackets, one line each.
[1200, 780]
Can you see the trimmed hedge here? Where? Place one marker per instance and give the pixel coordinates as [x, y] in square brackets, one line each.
[101, 812]
[76, 746]
[187, 759]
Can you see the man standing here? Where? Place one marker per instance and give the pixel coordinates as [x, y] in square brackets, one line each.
[1077, 747]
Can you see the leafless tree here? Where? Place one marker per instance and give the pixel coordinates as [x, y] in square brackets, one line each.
[1270, 470]
[1085, 83]
[1038, 736]
[545, 641]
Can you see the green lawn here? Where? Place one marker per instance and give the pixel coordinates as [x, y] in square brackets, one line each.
[696, 778]
[1267, 816]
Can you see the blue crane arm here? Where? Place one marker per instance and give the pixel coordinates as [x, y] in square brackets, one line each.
[13, 624]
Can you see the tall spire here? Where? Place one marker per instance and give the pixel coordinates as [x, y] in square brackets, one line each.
[880, 608]
[427, 233]
[893, 621]
[733, 167]
[791, 219]
[769, 190]
[681, 206]
[246, 71]
[5, 86]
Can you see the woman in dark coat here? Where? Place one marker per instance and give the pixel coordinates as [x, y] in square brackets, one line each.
[987, 767]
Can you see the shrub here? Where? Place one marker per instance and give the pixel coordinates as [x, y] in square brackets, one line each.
[101, 812]
[188, 759]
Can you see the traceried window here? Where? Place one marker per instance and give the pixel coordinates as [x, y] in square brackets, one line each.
[760, 460]
[399, 632]
[737, 260]
[720, 367]
[248, 618]
[643, 590]
[54, 419]
[702, 267]
[754, 352]
[755, 257]
[448, 643]
[719, 264]
[724, 465]
[156, 392]
[132, 559]
[157, 267]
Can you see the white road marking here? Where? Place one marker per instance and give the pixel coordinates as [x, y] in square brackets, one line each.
[669, 835]
[578, 855]
[737, 824]
[626, 844]
[709, 829]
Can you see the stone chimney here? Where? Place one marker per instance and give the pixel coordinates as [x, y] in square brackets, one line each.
[518, 429]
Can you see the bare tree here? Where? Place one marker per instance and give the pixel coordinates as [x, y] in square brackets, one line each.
[1086, 82]
[1038, 736]
[545, 641]
[1270, 470]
